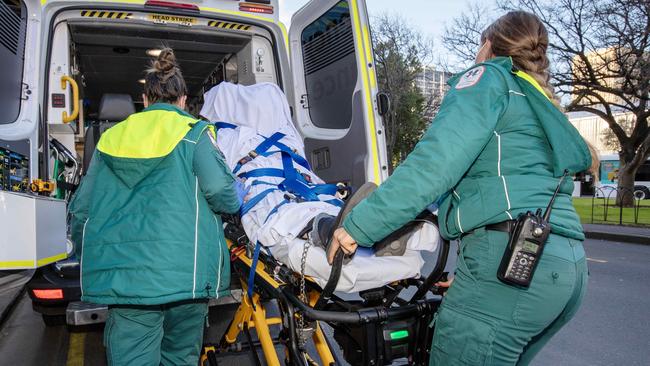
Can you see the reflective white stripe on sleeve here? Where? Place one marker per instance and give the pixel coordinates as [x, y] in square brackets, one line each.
[505, 186]
[196, 234]
[81, 260]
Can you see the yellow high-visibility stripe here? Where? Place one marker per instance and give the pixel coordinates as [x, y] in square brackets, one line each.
[369, 58]
[14, 264]
[145, 135]
[532, 81]
[363, 65]
[52, 259]
[32, 263]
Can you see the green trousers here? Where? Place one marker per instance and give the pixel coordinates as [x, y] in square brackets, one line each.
[483, 321]
[170, 334]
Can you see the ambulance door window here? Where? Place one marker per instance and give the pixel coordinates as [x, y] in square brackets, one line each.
[335, 88]
[330, 67]
[13, 21]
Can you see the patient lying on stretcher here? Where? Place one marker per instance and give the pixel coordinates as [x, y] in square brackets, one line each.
[262, 147]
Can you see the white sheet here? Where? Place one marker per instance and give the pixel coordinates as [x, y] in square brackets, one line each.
[365, 270]
[262, 109]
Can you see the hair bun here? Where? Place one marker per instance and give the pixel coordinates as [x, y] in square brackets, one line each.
[165, 62]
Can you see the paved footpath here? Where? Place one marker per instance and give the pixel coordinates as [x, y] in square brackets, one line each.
[628, 234]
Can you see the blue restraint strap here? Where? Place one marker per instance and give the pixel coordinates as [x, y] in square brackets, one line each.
[254, 201]
[261, 149]
[293, 182]
[251, 273]
[219, 125]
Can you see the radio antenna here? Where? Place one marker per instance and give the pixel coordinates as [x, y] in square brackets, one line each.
[547, 213]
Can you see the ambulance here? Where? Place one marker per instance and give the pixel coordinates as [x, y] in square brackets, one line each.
[72, 69]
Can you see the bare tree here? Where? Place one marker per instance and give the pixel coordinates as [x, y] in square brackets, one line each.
[463, 36]
[400, 54]
[601, 61]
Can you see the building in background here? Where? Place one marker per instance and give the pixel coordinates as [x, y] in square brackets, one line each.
[604, 63]
[432, 83]
[597, 132]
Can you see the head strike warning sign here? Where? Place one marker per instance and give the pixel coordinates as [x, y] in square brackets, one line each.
[171, 19]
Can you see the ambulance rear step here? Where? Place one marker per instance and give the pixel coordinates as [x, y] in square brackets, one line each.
[84, 313]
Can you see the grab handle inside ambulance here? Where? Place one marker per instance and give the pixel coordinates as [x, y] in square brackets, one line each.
[75, 98]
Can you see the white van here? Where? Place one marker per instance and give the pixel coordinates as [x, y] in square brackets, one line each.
[70, 69]
[59, 59]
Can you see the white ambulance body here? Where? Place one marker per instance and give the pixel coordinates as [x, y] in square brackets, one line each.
[60, 59]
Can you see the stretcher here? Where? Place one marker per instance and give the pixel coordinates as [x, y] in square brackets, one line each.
[382, 326]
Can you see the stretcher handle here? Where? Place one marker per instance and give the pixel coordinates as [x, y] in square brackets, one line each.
[435, 275]
[362, 316]
[332, 281]
[75, 98]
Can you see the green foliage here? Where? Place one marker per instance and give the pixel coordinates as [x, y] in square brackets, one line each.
[400, 53]
[411, 126]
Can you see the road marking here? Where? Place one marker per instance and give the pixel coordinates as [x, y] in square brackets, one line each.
[76, 349]
[596, 260]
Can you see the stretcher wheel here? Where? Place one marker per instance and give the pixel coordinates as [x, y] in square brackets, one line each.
[209, 357]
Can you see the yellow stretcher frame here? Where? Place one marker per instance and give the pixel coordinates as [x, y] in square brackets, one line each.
[369, 326]
[251, 313]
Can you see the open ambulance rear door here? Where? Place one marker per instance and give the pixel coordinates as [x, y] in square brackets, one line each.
[20, 32]
[33, 227]
[335, 90]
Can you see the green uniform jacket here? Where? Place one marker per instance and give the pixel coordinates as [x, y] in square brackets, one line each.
[496, 148]
[146, 216]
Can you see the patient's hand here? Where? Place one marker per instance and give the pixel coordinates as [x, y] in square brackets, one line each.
[341, 239]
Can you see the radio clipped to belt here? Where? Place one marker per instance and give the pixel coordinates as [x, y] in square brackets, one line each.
[528, 236]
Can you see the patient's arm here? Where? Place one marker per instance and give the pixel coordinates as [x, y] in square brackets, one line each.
[215, 179]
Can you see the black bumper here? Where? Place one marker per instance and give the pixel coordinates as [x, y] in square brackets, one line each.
[48, 278]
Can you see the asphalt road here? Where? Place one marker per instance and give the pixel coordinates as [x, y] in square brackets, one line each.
[611, 328]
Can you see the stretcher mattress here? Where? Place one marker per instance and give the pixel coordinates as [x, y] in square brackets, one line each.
[365, 270]
[261, 110]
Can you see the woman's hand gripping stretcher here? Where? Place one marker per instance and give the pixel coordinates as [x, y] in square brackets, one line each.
[285, 201]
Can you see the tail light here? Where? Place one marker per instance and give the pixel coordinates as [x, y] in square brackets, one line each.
[256, 8]
[172, 5]
[49, 294]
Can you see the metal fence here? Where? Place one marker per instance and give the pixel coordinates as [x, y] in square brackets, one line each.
[605, 207]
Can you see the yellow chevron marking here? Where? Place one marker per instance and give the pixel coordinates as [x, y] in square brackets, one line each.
[228, 25]
[106, 14]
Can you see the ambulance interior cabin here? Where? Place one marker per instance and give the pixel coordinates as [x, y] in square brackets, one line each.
[107, 53]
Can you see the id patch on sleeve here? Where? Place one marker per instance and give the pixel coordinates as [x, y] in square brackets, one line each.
[471, 77]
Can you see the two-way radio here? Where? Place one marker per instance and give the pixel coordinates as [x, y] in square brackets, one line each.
[528, 236]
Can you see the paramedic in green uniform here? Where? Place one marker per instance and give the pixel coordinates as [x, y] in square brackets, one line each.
[496, 149]
[146, 219]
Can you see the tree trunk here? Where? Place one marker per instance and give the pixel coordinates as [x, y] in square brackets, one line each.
[625, 194]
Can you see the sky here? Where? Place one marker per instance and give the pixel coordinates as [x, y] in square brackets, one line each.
[429, 16]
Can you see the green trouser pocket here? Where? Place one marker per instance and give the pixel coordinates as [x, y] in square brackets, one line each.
[462, 339]
[552, 286]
